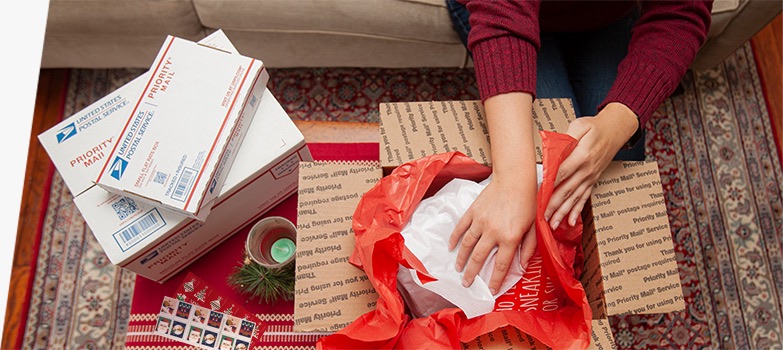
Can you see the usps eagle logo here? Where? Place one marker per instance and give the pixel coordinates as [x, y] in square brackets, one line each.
[66, 132]
[118, 168]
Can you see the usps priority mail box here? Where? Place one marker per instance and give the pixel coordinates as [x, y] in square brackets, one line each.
[183, 129]
[157, 243]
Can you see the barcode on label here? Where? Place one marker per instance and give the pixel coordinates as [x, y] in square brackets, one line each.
[183, 184]
[139, 229]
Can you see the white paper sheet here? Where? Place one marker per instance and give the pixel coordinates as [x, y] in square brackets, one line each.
[427, 236]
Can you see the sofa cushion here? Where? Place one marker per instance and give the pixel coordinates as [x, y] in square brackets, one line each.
[296, 49]
[320, 33]
[114, 34]
[383, 19]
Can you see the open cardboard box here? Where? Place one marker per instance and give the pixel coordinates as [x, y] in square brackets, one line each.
[630, 266]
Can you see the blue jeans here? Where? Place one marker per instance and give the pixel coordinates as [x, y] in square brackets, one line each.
[581, 66]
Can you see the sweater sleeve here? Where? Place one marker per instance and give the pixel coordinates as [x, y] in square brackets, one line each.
[664, 43]
[504, 40]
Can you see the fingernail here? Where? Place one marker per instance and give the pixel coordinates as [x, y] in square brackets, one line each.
[555, 224]
[465, 283]
[573, 222]
[493, 291]
[524, 266]
[457, 267]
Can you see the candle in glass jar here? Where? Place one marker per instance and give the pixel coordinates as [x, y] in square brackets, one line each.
[272, 242]
[282, 249]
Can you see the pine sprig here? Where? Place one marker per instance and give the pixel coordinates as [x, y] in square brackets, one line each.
[268, 285]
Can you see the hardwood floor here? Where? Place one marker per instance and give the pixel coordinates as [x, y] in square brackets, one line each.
[52, 85]
[767, 45]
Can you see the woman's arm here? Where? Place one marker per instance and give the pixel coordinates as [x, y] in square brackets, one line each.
[503, 41]
[664, 42]
[504, 211]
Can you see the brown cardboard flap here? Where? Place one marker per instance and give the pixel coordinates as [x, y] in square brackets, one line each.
[511, 338]
[505, 338]
[601, 337]
[411, 130]
[330, 292]
[634, 241]
[592, 278]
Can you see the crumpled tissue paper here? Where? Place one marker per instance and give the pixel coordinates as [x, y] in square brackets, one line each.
[427, 237]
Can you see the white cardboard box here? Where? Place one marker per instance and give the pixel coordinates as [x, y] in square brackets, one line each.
[184, 127]
[157, 243]
[79, 144]
[263, 174]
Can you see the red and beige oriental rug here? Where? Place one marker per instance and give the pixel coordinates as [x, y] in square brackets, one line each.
[714, 145]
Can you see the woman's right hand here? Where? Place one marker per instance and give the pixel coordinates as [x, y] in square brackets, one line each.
[502, 216]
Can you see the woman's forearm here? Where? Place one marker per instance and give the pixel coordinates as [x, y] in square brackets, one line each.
[510, 123]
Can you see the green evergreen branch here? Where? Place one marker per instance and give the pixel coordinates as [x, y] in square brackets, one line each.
[268, 285]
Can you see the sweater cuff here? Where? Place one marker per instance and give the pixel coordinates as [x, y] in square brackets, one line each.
[504, 64]
[640, 86]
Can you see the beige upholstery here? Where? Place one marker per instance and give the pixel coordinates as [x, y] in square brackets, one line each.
[733, 23]
[321, 33]
[308, 33]
[107, 33]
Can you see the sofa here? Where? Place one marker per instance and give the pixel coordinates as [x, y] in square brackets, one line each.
[309, 33]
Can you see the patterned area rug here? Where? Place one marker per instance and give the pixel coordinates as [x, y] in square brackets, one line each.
[713, 143]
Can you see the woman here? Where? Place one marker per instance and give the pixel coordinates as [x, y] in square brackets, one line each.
[616, 60]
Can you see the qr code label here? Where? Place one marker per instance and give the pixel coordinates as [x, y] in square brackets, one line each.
[124, 207]
[160, 178]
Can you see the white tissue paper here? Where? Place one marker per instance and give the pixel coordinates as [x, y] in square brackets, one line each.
[427, 237]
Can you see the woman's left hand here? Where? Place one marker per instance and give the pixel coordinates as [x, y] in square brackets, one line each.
[599, 137]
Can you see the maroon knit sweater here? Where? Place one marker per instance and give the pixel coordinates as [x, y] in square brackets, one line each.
[504, 39]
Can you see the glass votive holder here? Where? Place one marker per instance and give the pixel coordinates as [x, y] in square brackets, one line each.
[272, 242]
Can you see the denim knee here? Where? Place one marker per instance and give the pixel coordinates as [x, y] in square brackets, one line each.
[459, 18]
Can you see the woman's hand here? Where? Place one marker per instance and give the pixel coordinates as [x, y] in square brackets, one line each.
[600, 137]
[501, 216]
